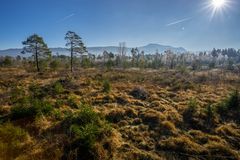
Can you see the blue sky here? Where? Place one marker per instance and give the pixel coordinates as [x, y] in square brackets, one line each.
[185, 23]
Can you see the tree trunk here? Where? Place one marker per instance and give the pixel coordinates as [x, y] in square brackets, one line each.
[36, 55]
[71, 58]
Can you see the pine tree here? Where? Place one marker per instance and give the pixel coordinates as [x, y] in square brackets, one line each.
[36, 45]
[75, 44]
[214, 53]
[134, 55]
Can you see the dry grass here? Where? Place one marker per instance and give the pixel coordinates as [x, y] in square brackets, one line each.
[145, 109]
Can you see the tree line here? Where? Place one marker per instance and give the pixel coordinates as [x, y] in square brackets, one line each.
[41, 54]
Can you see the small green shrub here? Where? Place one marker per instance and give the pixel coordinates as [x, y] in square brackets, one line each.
[109, 64]
[86, 115]
[230, 103]
[230, 107]
[43, 64]
[36, 91]
[22, 109]
[86, 63]
[210, 112]
[73, 102]
[7, 61]
[57, 114]
[182, 69]
[192, 105]
[87, 133]
[43, 107]
[28, 107]
[86, 129]
[106, 86]
[190, 112]
[55, 64]
[222, 109]
[58, 88]
[210, 116]
[59, 103]
[17, 93]
[233, 102]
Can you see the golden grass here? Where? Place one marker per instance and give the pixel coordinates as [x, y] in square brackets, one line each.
[143, 129]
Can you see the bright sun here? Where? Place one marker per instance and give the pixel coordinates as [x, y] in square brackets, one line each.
[218, 7]
[218, 3]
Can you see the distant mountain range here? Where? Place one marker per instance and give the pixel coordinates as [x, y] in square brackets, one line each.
[148, 49]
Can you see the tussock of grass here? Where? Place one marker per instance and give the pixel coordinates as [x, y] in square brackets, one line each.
[228, 130]
[222, 151]
[139, 93]
[129, 112]
[167, 128]
[152, 118]
[181, 144]
[115, 116]
[13, 141]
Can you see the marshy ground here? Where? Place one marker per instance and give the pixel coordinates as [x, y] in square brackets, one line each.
[119, 114]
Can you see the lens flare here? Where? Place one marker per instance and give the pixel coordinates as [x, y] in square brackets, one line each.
[218, 3]
[217, 7]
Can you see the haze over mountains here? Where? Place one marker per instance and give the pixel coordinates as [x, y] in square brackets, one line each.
[148, 49]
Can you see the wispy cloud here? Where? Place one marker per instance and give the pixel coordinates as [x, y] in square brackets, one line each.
[67, 17]
[178, 21]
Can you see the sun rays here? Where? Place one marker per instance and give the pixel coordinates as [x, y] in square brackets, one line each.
[217, 7]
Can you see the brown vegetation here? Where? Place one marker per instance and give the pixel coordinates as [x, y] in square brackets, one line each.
[129, 114]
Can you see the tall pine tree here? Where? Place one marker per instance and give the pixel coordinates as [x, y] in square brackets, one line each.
[75, 44]
[36, 45]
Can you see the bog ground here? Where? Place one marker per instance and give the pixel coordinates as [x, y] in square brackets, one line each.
[119, 114]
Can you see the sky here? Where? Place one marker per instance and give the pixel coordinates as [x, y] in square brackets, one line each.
[181, 23]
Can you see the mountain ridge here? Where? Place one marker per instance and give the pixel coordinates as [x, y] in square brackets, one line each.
[150, 48]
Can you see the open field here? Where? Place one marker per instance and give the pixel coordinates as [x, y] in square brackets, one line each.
[119, 114]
